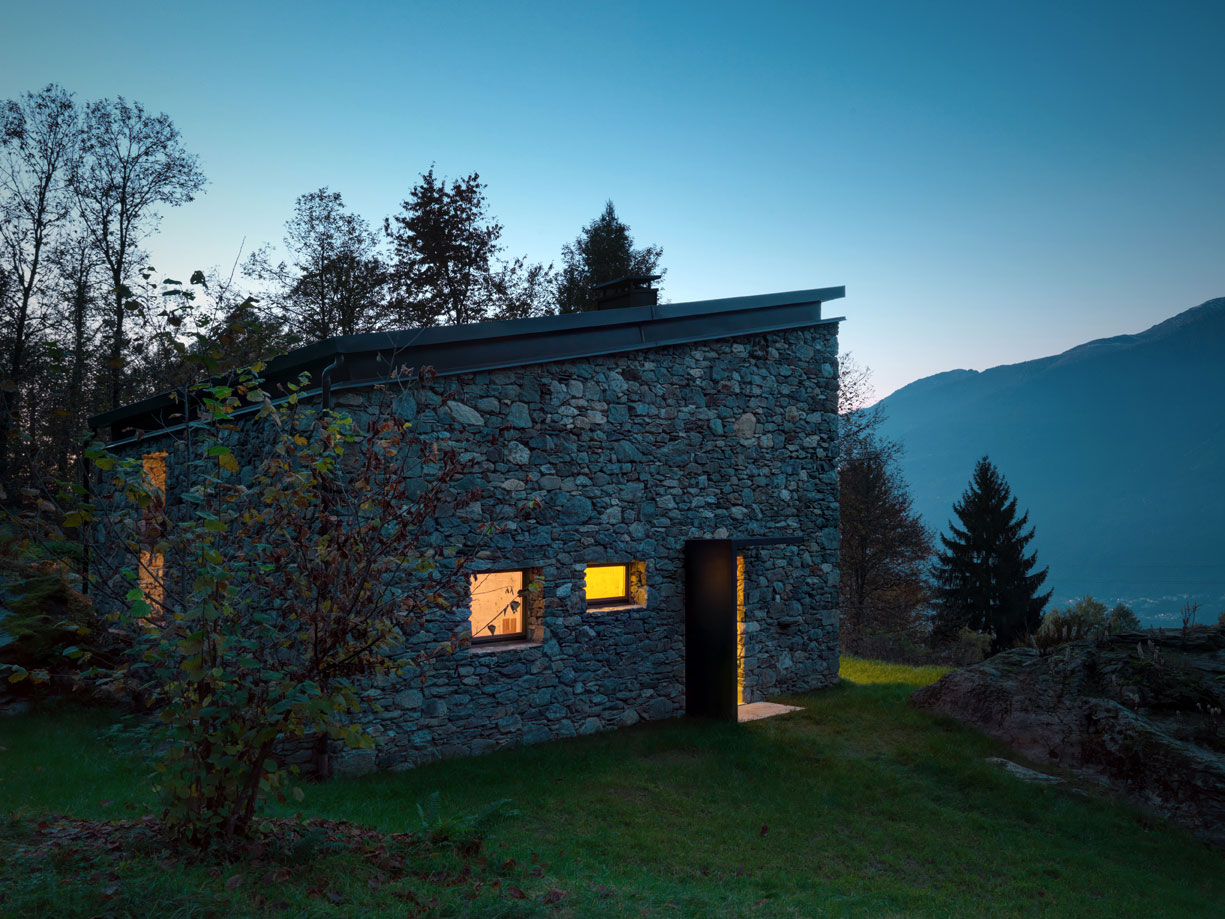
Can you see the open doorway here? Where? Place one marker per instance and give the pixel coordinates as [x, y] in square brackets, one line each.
[719, 638]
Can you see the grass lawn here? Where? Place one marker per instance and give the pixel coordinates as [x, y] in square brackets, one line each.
[857, 806]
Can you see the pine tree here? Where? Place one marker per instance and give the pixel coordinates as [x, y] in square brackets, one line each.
[984, 579]
[603, 251]
[447, 267]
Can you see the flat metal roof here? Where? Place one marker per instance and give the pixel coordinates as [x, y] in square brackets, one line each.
[376, 357]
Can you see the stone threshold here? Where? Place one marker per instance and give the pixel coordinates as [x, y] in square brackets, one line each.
[755, 711]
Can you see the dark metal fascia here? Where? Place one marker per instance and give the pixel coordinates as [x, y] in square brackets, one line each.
[378, 356]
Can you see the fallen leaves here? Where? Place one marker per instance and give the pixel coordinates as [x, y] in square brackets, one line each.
[291, 855]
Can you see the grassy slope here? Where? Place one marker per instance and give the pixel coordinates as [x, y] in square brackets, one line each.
[857, 806]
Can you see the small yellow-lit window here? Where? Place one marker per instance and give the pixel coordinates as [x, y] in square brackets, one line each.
[497, 606]
[607, 585]
[152, 573]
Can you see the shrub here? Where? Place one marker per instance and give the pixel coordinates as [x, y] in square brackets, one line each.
[970, 647]
[266, 588]
[43, 614]
[1085, 618]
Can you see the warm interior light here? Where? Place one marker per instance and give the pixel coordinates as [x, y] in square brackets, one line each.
[740, 629]
[151, 576]
[155, 471]
[607, 583]
[497, 605]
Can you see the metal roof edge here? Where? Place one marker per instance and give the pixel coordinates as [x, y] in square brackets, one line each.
[457, 349]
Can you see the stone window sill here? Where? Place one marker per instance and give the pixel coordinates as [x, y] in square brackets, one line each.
[615, 608]
[492, 647]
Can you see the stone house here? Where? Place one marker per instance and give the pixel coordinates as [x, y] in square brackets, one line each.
[686, 546]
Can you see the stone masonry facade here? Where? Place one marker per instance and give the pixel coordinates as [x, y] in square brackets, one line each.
[629, 456]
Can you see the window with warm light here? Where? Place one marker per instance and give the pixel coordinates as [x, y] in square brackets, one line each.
[498, 607]
[608, 585]
[152, 573]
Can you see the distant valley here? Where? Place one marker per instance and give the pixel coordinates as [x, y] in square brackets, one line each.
[1116, 448]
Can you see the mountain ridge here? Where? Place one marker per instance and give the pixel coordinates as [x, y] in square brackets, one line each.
[1116, 446]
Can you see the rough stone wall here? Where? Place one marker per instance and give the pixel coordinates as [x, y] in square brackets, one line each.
[629, 455]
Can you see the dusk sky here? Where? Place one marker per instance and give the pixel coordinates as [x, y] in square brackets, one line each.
[992, 182]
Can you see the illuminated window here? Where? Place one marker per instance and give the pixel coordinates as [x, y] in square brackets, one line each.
[740, 578]
[607, 585]
[152, 573]
[498, 610]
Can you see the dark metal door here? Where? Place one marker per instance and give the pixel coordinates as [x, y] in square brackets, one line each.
[710, 629]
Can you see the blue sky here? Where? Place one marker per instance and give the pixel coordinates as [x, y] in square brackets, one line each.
[991, 181]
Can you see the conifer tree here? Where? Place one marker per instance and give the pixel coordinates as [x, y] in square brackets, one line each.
[984, 579]
[447, 267]
[603, 251]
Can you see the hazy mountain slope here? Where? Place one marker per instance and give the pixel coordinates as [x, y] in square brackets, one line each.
[1117, 447]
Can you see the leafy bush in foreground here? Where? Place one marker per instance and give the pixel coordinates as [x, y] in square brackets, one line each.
[264, 588]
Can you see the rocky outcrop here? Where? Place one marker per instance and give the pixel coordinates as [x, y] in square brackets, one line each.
[1144, 710]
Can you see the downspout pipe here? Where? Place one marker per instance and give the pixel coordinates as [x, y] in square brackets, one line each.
[325, 381]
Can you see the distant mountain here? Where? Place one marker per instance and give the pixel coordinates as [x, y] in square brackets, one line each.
[1116, 448]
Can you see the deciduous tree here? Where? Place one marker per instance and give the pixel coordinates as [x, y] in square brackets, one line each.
[39, 136]
[131, 164]
[885, 546]
[333, 283]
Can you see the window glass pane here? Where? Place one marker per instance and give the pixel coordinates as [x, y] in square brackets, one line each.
[605, 582]
[497, 604]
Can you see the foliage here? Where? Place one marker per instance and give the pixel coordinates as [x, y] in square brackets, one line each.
[603, 251]
[446, 269]
[269, 585]
[984, 580]
[335, 280]
[130, 162]
[1085, 618]
[463, 830]
[969, 647]
[885, 546]
[44, 618]
[38, 137]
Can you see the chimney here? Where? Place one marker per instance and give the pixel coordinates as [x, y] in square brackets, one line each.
[634, 290]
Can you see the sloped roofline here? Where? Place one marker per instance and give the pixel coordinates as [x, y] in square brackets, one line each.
[375, 357]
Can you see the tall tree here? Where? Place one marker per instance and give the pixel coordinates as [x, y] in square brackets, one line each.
[131, 163]
[39, 133]
[885, 546]
[334, 280]
[446, 259]
[984, 579]
[603, 251]
[75, 291]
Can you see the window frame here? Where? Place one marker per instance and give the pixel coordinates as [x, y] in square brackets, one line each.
[525, 576]
[624, 600]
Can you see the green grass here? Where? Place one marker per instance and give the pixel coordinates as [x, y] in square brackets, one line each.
[860, 805]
